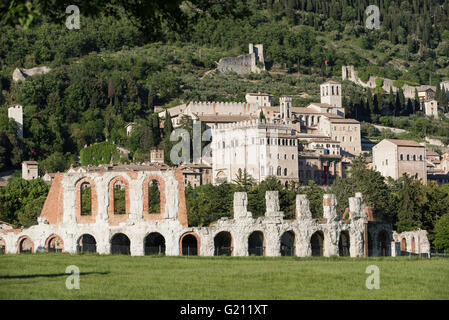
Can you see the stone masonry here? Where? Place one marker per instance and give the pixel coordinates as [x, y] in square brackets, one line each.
[61, 224]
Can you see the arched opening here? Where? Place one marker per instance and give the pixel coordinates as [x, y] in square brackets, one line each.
[154, 197]
[54, 244]
[2, 246]
[86, 243]
[189, 245]
[154, 244]
[119, 197]
[316, 242]
[120, 244]
[223, 244]
[256, 244]
[25, 245]
[344, 244]
[403, 244]
[288, 244]
[413, 245]
[382, 243]
[86, 199]
[370, 245]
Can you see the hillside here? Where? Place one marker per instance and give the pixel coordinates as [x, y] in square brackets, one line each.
[106, 75]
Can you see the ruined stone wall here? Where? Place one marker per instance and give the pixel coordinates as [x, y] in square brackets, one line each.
[64, 229]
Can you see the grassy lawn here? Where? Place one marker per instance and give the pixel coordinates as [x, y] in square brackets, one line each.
[42, 276]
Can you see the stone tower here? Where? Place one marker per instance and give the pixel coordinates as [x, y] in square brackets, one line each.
[16, 112]
[331, 94]
[286, 104]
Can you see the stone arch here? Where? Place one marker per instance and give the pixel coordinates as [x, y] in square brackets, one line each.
[382, 243]
[344, 244]
[154, 244]
[54, 243]
[413, 245]
[189, 244]
[25, 245]
[370, 245]
[403, 244]
[223, 244]
[86, 243]
[80, 217]
[115, 219]
[120, 244]
[288, 243]
[317, 243]
[256, 243]
[2, 246]
[146, 206]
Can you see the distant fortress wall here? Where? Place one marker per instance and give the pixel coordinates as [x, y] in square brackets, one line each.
[224, 108]
[245, 63]
[349, 73]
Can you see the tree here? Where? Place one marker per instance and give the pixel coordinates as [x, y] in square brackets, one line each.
[244, 180]
[149, 16]
[442, 233]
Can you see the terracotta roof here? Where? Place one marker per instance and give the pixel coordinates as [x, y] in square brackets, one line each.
[259, 94]
[30, 162]
[342, 120]
[405, 143]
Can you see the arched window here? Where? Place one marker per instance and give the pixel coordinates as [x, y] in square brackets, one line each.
[316, 243]
[86, 243]
[189, 245]
[26, 245]
[285, 171]
[414, 157]
[401, 157]
[279, 171]
[288, 244]
[223, 244]
[120, 244]
[344, 244]
[420, 158]
[154, 244]
[256, 243]
[408, 157]
[54, 244]
[382, 243]
[86, 199]
[154, 197]
[119, 197]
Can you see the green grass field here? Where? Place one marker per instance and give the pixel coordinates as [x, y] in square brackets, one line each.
[42, 276]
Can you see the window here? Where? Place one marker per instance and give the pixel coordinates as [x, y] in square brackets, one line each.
[420, 158]
[408, 157]
[285, 172]
[279, 171]
[154, 197]
[414, 157]
[86, 199]
[401, 157]
[119, 198]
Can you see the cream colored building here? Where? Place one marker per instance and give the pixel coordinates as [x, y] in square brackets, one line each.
[346, 131]
[393, 158]
[431, 108]
[30, 170]
[262, 149]
[261, 99]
